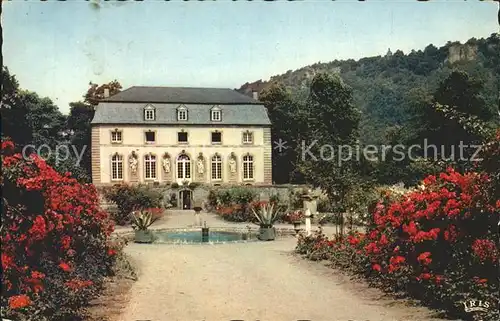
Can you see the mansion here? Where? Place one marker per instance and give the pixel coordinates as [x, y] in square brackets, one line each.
[167, 134]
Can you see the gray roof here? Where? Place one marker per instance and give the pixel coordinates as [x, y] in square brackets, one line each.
[182, 95]
[198, 114]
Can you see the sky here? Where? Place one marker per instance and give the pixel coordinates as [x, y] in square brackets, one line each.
[57, 48]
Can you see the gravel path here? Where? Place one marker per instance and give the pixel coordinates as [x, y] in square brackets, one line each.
[249, 281]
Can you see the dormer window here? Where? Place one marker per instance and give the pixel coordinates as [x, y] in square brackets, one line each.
[215, 114]
[149, 113]
[182, 113]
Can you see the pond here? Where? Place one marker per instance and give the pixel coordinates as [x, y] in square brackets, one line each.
[196, 237]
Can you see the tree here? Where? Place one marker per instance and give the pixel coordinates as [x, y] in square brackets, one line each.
[14, 114]
[45, 119]
[283, 112]
[442, 121]
[96, 92]
[332, 137]
[81, 115]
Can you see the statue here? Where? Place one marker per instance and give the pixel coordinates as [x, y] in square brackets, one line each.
[133, 163]
[201, 167]
[166, 165]
[232, 165]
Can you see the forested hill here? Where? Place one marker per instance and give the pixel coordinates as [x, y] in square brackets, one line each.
[384, 87]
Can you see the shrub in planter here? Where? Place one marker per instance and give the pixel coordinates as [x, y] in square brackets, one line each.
[142, 220]
[174, 185]
[56, 249]
[129, 198]
[294, 217]
[267, 214]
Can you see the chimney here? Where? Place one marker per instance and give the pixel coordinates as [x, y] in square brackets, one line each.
[255, 95]
[106, 92]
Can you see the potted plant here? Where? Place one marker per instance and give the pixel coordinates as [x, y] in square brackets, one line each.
[296, 219]
[266, 215]
[141, 221]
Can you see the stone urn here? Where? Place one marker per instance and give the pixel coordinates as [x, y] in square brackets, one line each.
[296, 226]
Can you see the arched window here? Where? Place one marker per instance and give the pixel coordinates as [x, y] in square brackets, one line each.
[117, 167]
[248, 167]
[183, 167]
[150, 166]
[149, 113]
[216, 167]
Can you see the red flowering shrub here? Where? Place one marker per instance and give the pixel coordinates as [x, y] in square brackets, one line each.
[437, 244]
[295, 216]
[55, 241]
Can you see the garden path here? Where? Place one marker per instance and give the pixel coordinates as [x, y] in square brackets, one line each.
[248, 281]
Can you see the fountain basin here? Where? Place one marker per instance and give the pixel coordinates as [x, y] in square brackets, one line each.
[195, 236]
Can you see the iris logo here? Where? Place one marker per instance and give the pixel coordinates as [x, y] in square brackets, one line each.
[476, 306]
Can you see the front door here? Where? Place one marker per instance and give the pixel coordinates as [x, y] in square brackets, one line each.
[186, 199]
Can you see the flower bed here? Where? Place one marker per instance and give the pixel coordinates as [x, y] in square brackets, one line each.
[236, 213]
[56, 249]
[436, 244]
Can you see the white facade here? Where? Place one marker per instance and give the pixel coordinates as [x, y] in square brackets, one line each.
[243, 154]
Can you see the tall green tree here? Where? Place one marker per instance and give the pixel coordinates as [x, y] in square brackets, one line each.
[15, 124]
[328, 153]
[284, 113]
[47, 123]
[437, 123]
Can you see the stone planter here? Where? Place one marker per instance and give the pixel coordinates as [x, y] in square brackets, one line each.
[267, 233]
[296, 227]
[143, 236]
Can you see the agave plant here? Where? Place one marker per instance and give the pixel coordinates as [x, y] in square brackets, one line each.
[267, 214]
[143, 219]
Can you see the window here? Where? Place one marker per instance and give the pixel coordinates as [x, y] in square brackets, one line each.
[216, 138]
[215, 114]
[182, 113]
[247, 137]
[182, 137]
[247, 167]
[116, 136]
[149, 113]
[183, 167]
[150, 137]
[216, 167]
[150, 166]
[116, 167]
